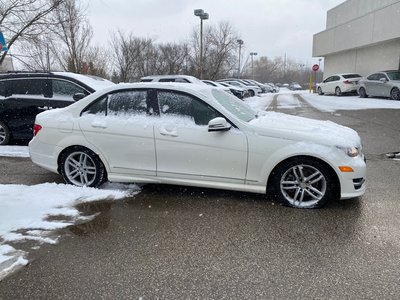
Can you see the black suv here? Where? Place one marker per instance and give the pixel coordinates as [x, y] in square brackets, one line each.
[25, 94]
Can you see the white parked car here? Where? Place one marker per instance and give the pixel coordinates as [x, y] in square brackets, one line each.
[339, 84]
[196, 135]
[172, 78]
[381, 84]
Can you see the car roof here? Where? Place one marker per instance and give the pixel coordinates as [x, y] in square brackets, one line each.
[91, 83]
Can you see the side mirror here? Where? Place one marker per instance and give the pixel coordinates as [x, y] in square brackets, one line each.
[218, 124]
[78, 96]
[384, 80]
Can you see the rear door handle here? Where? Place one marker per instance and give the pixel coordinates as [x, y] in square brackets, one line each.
[98, 125]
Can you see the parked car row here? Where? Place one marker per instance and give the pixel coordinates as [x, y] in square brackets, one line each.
[385, 84]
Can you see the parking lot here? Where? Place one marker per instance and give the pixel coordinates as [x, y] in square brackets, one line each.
[178, 242]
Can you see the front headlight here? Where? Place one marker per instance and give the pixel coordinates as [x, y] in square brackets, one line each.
[350, 151]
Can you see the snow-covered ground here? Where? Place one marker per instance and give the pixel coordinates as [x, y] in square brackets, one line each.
[286, 99]
[14, 151]
[26, 214]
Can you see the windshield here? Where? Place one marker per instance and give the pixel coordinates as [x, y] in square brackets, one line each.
[394, 75]
[235, 106]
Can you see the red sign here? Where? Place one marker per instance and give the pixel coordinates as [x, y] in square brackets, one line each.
[315, 68]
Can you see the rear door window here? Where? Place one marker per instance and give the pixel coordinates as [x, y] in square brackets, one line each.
[21, 88]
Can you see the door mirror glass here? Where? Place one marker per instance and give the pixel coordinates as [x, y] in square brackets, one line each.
[218, 124]
[383, 79]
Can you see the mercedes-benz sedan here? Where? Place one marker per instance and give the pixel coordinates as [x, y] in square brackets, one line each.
[197, 135]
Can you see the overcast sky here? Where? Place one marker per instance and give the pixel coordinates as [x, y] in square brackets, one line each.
[269, 27]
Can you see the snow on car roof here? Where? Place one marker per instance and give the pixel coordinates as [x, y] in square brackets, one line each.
[95, 82]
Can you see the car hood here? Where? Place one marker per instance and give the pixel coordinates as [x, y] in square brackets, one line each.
[303, 129]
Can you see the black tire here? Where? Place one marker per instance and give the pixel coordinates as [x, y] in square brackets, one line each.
[320, 91]
[395, 94]
[81, 167]
[291, 183]
[363, 93]
[5, 135]
[338, 92]
[251, 93]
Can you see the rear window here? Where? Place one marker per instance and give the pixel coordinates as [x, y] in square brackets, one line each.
[348, 76]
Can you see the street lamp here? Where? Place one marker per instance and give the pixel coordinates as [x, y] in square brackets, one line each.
[240, 42]
[252, 68]
[203, 16]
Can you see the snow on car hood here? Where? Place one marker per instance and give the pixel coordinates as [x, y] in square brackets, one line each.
[304, 129]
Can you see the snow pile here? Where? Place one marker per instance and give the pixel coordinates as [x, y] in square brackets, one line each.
[14, 151]
[334, 103]
[26, 211]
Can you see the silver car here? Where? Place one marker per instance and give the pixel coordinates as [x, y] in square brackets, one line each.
[381, 84]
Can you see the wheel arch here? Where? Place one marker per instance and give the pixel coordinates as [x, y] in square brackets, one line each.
[300, 157]
[99, 156]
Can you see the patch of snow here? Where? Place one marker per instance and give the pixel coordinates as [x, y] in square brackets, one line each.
[260, 103]
[26, 211]
[333, 103]
[14, 151]
[287, 101]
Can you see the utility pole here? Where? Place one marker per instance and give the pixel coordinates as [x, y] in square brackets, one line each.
[240, 42]
[252, 67]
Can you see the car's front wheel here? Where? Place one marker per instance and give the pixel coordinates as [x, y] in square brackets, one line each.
[80, 166]
[303, 183]
[5, 134]
[395, 94]
[320, 91]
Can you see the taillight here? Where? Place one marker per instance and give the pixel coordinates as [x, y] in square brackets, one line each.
[36, 129]
[347, 82]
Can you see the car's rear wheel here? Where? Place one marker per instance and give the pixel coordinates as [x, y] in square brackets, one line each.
[338, 91]
[5, 134]
[303, 183]
[395, 94]
[251, 93]
[363, 93]
[320, 91]
[80, 166]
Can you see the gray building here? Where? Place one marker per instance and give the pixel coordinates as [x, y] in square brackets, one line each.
[361, 36]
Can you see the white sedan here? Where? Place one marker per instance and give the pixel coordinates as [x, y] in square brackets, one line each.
[339, 84]
[197, 135]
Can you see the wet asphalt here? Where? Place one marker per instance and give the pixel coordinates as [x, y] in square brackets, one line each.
[172, 242]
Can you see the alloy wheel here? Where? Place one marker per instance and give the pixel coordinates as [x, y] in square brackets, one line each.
[80, 169]
[303, 186]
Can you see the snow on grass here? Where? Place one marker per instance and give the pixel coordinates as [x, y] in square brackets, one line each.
[14, 151]
[334, 103]
[26, 211]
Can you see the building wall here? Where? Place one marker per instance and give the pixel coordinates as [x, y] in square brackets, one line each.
[362, 36]
[364, 61]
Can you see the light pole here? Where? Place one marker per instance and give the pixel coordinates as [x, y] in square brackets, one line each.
[203, 16]
[252, 68]
[240, 42]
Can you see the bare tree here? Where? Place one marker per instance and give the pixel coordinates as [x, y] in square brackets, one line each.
[220, 48]
[130, 55]
[25, 19]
